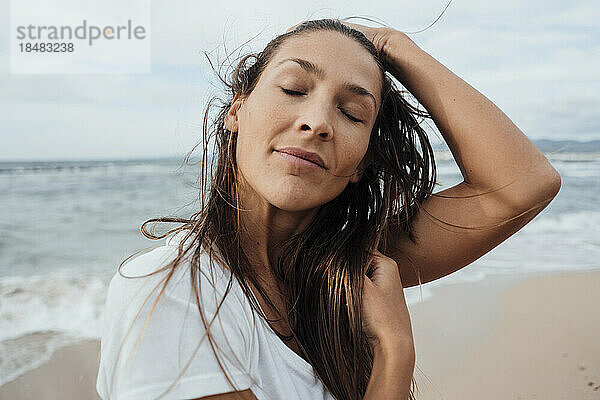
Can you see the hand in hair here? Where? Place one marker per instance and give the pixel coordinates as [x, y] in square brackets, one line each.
[378, 36]
[386, 320]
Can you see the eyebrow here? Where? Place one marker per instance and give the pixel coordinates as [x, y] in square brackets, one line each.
[318, 71]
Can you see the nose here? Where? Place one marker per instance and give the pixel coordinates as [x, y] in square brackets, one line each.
[316, 121]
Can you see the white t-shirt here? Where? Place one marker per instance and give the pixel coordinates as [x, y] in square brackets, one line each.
[248, 348]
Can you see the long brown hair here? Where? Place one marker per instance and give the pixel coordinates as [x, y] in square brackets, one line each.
[320, 270]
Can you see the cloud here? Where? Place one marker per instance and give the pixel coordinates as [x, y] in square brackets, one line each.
[536, 60]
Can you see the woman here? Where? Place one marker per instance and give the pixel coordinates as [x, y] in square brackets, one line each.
[320, 210]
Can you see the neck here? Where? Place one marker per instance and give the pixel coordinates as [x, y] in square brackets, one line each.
[264, 228]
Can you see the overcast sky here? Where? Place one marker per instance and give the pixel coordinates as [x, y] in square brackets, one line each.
[539, 61]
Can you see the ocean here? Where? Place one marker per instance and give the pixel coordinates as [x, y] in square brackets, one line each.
[66, 226]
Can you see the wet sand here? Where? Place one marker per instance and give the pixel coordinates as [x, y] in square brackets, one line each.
[69, 375]
[538, 339]
[507, 337]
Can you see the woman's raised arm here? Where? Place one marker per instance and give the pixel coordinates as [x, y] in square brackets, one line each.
[490, 151]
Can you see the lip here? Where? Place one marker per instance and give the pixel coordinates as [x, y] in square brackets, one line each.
[303, 154]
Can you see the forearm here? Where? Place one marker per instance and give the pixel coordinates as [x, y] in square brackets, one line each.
[391, 375]
[488, 147]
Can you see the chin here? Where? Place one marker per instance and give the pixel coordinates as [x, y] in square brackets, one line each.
[293, 204]
[292, 200]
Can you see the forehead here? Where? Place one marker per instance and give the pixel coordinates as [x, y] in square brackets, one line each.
[338, 56]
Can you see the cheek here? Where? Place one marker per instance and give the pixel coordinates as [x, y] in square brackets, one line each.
[352, 154]
[249, 156]
[260, 122]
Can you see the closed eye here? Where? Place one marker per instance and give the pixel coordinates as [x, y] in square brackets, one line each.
[292, 92]
[350, 117]
[296, 93]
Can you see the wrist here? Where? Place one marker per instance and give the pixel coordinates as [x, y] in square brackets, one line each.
[392, 373]
[395, 351]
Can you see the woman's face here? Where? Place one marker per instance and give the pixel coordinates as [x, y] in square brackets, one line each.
[320, 92]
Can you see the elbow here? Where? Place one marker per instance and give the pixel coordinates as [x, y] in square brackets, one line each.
[553, 184]
[544, 189]
[537, 192]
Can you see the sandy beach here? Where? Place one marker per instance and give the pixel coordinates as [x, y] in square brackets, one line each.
[69, 375]
[511, 338]
[507, 337]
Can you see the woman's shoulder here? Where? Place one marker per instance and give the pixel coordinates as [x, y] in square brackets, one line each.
[161, 333]
[139, 292]
[145, 274]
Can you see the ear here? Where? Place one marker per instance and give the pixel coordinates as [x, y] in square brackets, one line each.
[364, 163]
[231, 118]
